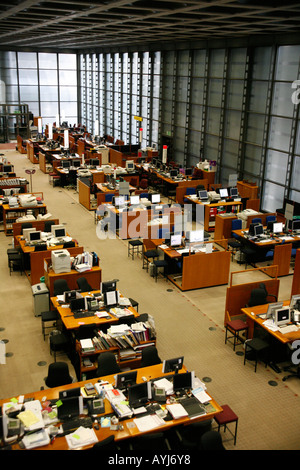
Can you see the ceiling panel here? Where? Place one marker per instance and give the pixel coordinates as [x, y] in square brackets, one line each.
[78, 24]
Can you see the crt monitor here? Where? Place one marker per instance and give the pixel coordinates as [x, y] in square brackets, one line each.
[27, 231]
[130, 165]
[172, 365]
[183, 381]
[94, 162]
[155, 198]
[258, 230]
[282, 316]
[126, 380]
[35, 236]
[173, 173]
[295, 301]
[252, 227]
[223, 192]
[203, 195]
[65, 163]
[272, 307]
[7, 169]
[234, 192]
[175, 239]
[76, 163]
[139, 394]
[188, 171]
[134, 200]
[60, 232]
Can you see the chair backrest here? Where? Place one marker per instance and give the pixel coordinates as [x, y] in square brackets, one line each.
[107, 364]
[270, 218]
[150, 357]
[58, 374]
[48, 224]
[109, 197]
[83, 284]
[25, 225]
[236, 224]
[258, 296]
[256, 220]
[211, 440]
[60, 286]
[190, 191]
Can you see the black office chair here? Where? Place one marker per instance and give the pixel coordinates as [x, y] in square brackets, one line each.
[60, 286]
[107, 364]
[83, 285]
[211, 440]
[107, 444]
[259, 296]
[48, 224]
[58, 374]
[150, 357]
[69, 244]
[40, 247]
[25, 225]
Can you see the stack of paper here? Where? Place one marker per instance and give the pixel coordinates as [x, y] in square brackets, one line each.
[81, 437]
[177, 410]
[147, 423]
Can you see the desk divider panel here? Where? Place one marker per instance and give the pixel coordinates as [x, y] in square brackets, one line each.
[38, 224]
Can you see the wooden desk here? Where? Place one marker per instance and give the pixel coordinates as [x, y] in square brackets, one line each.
[93, 278]
[130, 430]
[254, 319]
[211, 210]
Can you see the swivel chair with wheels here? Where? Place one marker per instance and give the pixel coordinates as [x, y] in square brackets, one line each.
[60, 286]
[83, 285]
[58, 374]
[107, 364]
[150, 357]
[259, 296]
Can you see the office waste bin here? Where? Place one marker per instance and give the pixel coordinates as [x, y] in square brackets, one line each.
[40, 295]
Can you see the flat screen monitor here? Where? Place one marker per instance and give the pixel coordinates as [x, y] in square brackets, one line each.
[183, 381]
[76, 163]
[70, 295]
[77, 304]
[65, 163]
[282, 316]
[94, 162]
[70, 408]
[111, 298]
[7, 169]
[272, 307]
[195, 236]
[251, 228]
[108, 286]
[175, 239]
[202, 195]
[35, 236]
[27, 231]
[139, 394]
[296, 225]
[126, 380]
[134, 200]
[188, 171]
[223, 192]
[277, 227]
[155, 198]
[72, 392]
[172, 365]
[234, 192]
[173, 173]
[258, 230]
[120, 200]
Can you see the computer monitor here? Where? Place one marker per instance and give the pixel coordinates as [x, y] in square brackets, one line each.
[295, 301]
[183, 381]
[7, 169]
[154, 161]
[27, 231]
[76, 163]
[272, 307]
[282, 316]
[77, 304]
[108, 286]
[70, 295]
[134, 200]
[173, 173]
[125, 380]
[94, 162]
[296, 225]
[251, 228]
[129, 165]
[72, 392]
[234, 192]
[195, 236]
[66, 163]
[277, 227]
[172, 365]
[56, 227]
[70, 408]
[223, 192]
[202, 195]
[119, 200]
[258, 230]
[175, 239]
[60, 232]
[139, 394]
[155, 198]
[111, 298]
[35, 236]
[188, 171]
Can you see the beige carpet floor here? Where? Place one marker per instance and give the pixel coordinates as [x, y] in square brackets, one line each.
[188, 324]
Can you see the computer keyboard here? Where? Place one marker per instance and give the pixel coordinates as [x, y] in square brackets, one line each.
[83, 313]
[288, 329]
[75, 423]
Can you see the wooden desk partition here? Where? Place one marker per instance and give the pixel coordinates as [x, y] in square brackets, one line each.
[296, 276]
[93, 278]
[38, 224]
[181, 188]
[237, 296]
